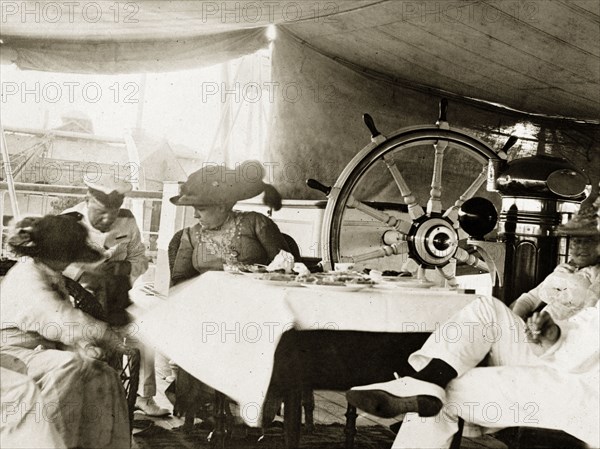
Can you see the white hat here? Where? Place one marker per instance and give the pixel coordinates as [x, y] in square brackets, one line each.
[108, 190]
[108, 183]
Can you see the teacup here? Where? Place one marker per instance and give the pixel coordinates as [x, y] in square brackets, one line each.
[341, 266]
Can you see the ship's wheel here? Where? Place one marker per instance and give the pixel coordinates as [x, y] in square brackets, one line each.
[361, 228]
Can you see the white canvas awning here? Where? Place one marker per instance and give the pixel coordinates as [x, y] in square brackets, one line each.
[540, 57]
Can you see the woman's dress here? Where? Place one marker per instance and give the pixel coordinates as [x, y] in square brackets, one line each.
[245, 237]
[83, 397]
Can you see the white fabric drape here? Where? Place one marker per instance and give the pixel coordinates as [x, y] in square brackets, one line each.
[134, 56]
[146, 35]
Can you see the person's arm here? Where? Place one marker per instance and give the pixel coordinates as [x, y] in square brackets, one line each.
[269, 236]
[183, 267]
[577, 347]
[526, 304]
[173, 248]
[136, 254]
[542, 329]
[592, 295]
[544, 292]
[530, 301]
[56, 319]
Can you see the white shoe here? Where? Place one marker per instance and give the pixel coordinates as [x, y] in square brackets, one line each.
[393, 398]
[149, 407]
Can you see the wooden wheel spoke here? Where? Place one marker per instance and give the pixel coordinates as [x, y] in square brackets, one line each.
[382, 251]
[452, 212]
[414, 209]
[463, 256]
[493, 253]
[450, 279]
[426, 236]
[435, 194]
[389, 220]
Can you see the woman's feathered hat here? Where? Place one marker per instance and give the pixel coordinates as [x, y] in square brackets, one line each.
[584, 223]
[58, 237]
[217, 184]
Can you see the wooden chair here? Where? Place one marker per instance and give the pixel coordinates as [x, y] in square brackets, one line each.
[513, 437]
[308, 398]
[528, 438]
[5, 265]
[293, 246]
[124, 359]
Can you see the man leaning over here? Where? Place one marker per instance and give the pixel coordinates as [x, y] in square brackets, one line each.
[115, 231]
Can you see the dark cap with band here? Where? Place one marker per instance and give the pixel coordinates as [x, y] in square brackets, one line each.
[108, 190]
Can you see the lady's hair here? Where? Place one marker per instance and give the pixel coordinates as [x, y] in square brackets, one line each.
[56, 237]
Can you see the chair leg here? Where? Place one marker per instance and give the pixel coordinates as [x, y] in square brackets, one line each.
[308, 403]
[456, 440]
[350, 429]
[292, 417]
[517, 442]
[218, 435]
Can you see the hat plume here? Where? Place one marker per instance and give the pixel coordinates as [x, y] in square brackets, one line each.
[272, 197]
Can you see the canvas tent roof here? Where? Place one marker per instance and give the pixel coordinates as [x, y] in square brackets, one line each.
[540, 57]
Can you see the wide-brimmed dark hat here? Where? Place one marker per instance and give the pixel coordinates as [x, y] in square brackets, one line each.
[583, 224]
[57, 237]
[217, 184]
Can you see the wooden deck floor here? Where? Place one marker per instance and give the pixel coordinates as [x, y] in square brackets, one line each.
[330, 407]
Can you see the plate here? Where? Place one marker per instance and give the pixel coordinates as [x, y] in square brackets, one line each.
[398, 282]
[282, 283]
[252, 268]
[337, 288]
[231, 269]
[282, 280]
[332, 276]
[252, 275]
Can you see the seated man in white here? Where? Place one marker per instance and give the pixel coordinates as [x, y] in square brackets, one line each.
[574, 285]
[115, 232]
[543, 373]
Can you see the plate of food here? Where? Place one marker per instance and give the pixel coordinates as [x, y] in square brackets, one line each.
[346, 281]
[280, 279]
[394, 282]
[335, 286]
[231, 269]
[252, 268]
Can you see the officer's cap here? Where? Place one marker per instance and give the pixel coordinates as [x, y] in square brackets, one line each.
[108, 190]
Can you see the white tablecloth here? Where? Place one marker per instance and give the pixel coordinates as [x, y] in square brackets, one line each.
[224, 328]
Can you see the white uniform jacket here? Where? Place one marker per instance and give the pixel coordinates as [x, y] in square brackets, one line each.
[122, 242]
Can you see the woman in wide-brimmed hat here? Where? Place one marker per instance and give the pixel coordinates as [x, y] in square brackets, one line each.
[223, 235]
[59, 344]
[572, 285]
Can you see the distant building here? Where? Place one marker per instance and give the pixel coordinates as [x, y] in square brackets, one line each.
[63, 156]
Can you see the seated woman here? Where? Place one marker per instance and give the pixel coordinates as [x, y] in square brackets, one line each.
[573, 285]
[540, 373]
[221, 236]
[61, 346]
[21, 427]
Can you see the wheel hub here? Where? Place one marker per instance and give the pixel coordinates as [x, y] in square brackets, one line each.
[433, 242]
